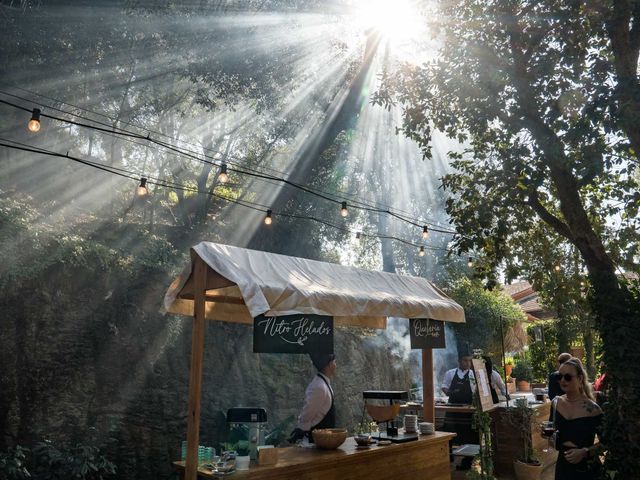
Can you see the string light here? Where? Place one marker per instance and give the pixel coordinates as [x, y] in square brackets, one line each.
[425, 232]
[421, 252]
[343, 211]
[223, 177]
[172, 185]
[557, 268]
[110, 130]
[142, 190]
[267, 218]
[34, 123]
[470, 262]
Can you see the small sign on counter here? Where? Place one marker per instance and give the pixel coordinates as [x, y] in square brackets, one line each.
[293, 334]
[426, 333]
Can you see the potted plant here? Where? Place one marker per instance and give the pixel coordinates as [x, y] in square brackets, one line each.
[508, 366]
[511, 385]
[528, 465]
[523, 372]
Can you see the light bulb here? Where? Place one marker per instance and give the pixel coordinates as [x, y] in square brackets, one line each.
[470, 262]
[142, 188]
[425, 232]
[223, 177]
[34, 123]
[557, 268]
[358, 235]
[421, 252]
[343, 211]
[267, 218]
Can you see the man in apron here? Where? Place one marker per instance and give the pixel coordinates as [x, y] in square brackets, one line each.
[459, 385]
[318, 410]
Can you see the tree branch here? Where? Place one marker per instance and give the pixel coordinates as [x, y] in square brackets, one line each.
[558, 225]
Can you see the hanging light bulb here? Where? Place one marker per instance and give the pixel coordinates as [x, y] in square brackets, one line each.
[557, 268]
[358, 235]
[267, 218]
[470, 262]
[142, 188]
[425, 232]
[223, 177]
[421, 252]
[343, 211]
[34, 123]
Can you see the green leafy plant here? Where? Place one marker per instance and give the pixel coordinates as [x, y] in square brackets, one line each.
[519, 417]
[522, 371]
[13, 464]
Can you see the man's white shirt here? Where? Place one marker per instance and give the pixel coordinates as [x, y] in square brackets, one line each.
[317, 402]
[448, 377]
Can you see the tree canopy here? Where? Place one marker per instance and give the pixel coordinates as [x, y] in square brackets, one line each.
[540, 94]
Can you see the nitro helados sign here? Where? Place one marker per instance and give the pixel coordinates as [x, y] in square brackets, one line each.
[293, 334]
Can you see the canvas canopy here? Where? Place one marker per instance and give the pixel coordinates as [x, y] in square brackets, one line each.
[242, 284]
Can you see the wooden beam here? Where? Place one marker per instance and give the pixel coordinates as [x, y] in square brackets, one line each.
[195, 374]
[428, 403]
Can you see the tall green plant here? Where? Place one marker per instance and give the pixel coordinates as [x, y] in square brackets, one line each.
[543, 353]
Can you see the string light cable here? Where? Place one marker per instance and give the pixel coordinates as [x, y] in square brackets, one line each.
[402, 215]
[110, 130]
[169, 184]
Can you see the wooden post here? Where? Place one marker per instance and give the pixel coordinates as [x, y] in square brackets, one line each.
[195, 374]
[428, 405]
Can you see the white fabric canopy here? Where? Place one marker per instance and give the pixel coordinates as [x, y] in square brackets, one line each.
[242, 284]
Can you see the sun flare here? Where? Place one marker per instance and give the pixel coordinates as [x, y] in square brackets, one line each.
[398, 20]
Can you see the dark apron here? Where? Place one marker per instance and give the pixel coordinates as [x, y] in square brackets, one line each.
[329, 420]
[456, 422]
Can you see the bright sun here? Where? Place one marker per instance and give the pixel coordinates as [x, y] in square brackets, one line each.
[398, 20]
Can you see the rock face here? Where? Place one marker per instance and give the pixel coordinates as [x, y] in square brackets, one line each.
[83, 345]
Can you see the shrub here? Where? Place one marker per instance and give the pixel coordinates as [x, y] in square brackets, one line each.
[522, 371]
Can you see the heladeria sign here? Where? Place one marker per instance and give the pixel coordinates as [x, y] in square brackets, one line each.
[426, 333]
[293, 334]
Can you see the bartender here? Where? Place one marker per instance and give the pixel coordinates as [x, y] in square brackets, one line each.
[318, 410]
[459, 385]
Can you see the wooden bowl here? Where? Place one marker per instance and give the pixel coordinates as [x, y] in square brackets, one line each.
[383, 413]
[329, 438]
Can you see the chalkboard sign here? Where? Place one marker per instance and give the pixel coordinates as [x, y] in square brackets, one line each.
[293, 334]
[483, 383]
[426, 333]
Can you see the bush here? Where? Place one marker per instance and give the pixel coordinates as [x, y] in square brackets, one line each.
[45, 461]
[543, 353]
[522, 371]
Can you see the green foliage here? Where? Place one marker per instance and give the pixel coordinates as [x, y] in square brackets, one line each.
[481, 421]
[522, 370]
[543, 353]
[519, 416]
[483, 310]
[13, 464]
[46, 461]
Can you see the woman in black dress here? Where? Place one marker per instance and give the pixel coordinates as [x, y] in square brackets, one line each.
[577, 420]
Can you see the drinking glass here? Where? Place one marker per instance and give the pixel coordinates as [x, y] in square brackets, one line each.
[547, 431]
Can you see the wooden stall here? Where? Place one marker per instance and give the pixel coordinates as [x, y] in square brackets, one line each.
[427, 457]
[237, 285]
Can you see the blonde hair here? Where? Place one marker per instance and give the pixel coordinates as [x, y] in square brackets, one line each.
[585, 386]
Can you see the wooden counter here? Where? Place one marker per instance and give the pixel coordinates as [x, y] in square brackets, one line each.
[507, 442]
[425, 458]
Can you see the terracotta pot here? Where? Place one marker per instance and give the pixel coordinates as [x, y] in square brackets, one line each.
[527, 471]
[523, 386]
[511, 387]
[508, 369]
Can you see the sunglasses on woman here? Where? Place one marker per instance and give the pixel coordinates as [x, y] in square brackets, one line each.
[567, 377]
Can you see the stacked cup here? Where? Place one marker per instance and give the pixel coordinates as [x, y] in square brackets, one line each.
[426, 428]
[410, 423]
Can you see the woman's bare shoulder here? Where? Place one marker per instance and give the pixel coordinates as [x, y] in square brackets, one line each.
[591, 407]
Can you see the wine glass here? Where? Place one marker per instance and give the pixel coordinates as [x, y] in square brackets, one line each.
[547, 431]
